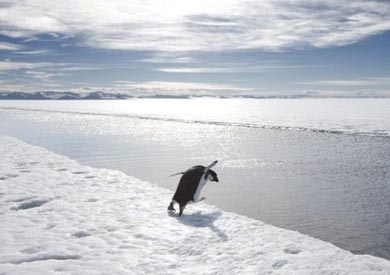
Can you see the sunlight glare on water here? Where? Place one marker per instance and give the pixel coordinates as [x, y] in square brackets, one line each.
[331, 186]
[361, 116]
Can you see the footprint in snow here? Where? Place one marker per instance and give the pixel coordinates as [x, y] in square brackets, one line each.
[292, 250]
[50, 226]
[25, 171]
[92, 200]
[45, 257]
[81, 234]
[30, 204]
[279, 264]
[80, 172]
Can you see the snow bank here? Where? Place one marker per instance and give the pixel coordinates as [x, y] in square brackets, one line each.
[59, 217]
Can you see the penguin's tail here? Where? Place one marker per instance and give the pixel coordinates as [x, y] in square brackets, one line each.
[180, 173]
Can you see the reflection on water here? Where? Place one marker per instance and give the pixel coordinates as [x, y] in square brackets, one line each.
[334, 187]
[367, 116]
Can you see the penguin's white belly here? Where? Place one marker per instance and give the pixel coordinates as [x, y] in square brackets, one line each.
[201, 184]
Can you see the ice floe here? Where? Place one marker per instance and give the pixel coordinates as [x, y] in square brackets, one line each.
[64, 218]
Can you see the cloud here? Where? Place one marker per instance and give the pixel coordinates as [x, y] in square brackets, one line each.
[35, 52]
[9, 46]
[198, 70]
[29, 75]
[134, 88]
[8, 65]
[44, 76]
[68, 67]
[172, 88]
[169, 58]
[368, 81]
[9, 85]
[172, 85]
[198, 25]
[237, 67]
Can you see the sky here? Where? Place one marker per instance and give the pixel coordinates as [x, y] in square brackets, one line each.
[196, 46]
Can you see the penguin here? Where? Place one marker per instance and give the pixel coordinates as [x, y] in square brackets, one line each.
[190, 186]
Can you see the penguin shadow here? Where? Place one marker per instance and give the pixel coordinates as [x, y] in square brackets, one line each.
[204, 220]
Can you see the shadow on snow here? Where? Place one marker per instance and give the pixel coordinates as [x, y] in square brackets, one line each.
[198, 219]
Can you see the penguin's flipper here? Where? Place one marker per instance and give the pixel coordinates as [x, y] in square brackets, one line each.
[211, 165]
[180, 173]
[206, 170]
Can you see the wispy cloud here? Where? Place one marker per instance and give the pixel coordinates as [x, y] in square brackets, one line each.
[8, 65]
[369, 81]
[7, 86]
[230, 68]
[135, 88]
[30, 75]
[169, 58]
[172, 85]
[4, 46]
[44, 76]
[198, 70]
[198, 25]
[77, 68]
[34, 52]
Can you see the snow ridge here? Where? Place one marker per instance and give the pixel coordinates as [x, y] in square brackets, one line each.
[73, 219]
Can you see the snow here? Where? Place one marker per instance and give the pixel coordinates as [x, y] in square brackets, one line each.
[59, 217]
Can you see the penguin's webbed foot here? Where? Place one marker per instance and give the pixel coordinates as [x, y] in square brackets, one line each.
[171, 208]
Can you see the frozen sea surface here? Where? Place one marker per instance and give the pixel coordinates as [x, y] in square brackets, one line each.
[60, 217]
[331, 186]
[368, 116]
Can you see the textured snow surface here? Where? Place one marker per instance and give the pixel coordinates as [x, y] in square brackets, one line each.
[59, 217]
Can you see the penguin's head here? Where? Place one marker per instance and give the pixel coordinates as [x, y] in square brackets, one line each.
[211, 176]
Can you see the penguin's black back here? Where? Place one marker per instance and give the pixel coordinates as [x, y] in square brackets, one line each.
[188, 184]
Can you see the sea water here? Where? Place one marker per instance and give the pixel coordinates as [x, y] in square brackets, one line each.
[319, 166]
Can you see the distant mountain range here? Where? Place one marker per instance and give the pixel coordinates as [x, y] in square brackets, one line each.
[98, 95]
[49, 95]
